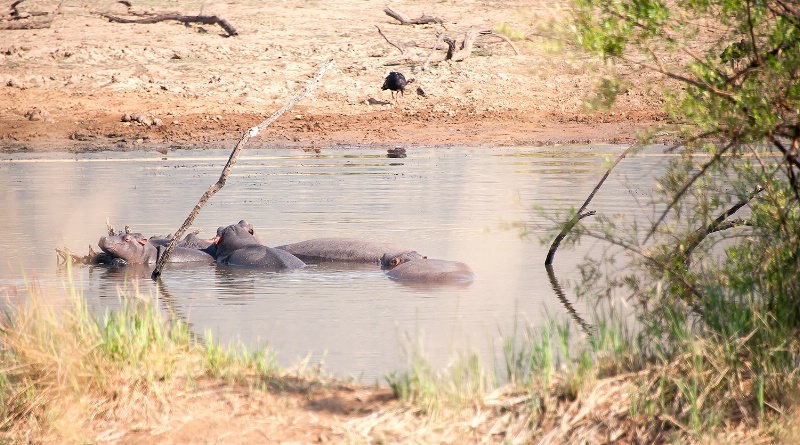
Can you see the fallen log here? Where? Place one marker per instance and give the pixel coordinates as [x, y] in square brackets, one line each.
[185, 19]
[422, 20]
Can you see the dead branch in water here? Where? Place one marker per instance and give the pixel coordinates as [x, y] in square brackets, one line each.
[185, 19]
[422, 20]
[579, 214]
[214, 188]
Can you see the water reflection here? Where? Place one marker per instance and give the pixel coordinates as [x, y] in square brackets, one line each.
[454, 204]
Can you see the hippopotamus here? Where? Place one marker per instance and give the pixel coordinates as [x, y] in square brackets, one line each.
[237, 245]
[411, 266]
[352, 250]
[190, 241]
[136, 249]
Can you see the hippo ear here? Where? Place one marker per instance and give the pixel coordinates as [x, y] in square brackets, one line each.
[142, 240]
[395, 262]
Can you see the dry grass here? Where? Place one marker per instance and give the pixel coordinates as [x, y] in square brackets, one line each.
[134, 377]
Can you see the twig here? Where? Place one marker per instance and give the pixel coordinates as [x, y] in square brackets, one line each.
[390, 42]
[204, 19]
[513, 47]
[433, 50]
[685, 188]
[214, 188]
[579, 214]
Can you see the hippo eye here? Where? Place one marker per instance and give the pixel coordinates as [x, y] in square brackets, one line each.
[127, 238]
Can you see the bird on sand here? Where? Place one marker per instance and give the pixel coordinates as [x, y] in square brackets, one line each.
[395, 82]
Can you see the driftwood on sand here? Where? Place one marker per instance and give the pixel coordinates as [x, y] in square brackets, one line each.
[456, 53]
[185, 19]
[28, 20]
[424, 19]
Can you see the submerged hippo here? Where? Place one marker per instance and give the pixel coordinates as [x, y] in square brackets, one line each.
[411, 266]
[238, 246]
[190, 241]
[342, 249]
[136, 249]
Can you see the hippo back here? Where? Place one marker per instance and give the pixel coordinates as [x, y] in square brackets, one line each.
[342, 249]
[238, 246]
[424, 270]
[263, 257]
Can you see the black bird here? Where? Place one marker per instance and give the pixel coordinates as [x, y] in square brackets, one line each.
[396, 82]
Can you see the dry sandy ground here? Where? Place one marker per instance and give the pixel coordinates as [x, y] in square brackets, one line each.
[84, 73]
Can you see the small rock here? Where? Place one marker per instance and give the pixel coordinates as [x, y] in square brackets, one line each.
[157, 122]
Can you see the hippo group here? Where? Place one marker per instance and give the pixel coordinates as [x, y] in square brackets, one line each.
[237, 245]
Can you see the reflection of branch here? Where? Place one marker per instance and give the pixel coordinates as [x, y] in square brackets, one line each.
[587, 328]
[579, 214]
[169, 303]
[214, 188]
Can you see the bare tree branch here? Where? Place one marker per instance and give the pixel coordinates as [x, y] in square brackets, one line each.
[717, 225]
[214, 188]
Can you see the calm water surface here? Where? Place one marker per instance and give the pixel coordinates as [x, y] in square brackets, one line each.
[456, 204]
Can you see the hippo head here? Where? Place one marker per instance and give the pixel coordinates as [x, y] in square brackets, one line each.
[131, 247]
[234, 237]
[389, 261]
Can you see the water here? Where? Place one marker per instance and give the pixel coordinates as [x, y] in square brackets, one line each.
[457, 204]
